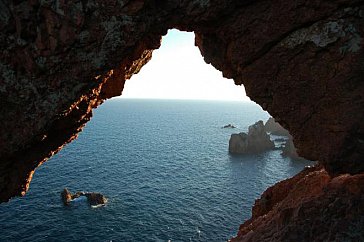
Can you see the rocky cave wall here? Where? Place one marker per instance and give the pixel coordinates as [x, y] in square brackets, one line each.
[301, 60]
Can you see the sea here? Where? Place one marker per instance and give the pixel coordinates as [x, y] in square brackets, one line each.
[165, 168]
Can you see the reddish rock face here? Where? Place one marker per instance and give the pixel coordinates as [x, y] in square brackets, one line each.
[303, 64]
[311, 206]
[303, 61]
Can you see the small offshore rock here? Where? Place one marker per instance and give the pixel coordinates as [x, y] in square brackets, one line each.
[229, 126]
[93, 198]
[66, 196]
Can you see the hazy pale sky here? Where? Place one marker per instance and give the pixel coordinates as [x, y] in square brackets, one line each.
[177, 71]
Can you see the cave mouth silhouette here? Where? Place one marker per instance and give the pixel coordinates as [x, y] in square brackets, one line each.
[152, 81]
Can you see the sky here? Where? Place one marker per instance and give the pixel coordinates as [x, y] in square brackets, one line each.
[177, 71]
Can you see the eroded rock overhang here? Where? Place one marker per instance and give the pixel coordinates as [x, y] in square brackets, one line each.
[303, 61]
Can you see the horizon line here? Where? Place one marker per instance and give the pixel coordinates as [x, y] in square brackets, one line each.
[182, 99]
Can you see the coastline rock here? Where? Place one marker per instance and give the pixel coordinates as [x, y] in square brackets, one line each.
[273, 127]
[256, 141]
[304, 68]
[288, 149]
[93, 198]
[311, 206]
[303, 63]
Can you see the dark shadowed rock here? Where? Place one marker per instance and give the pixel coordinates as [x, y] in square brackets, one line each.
[303, 63]
[256, 141]
[95, 198]
[66, 196]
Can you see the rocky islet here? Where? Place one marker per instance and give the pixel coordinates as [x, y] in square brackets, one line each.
[93, 198]
[256, 141]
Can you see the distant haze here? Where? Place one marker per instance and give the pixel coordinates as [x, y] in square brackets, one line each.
[177, 71]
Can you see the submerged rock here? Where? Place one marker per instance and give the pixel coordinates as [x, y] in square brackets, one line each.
[273, 127]
[93, 198]
[256, 141]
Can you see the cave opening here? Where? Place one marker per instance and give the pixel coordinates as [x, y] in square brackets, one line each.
[177, 71]
[59, 61]
[163, 164]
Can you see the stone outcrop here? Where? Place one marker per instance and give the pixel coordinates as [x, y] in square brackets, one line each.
[289, 150]
[66, 196]
[300, 60]
[93, 198]
[311, 206]
[273, 127]
[256, 141]
[59, 60]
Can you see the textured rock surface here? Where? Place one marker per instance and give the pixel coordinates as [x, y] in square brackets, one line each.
[66, 196]
[303, 61]
[273, 127]
[93, 198]
[311, 206]
[256, 141]
[289, 149]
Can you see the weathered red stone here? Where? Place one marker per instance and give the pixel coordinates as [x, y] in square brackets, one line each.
[311, 206]
[300, 60]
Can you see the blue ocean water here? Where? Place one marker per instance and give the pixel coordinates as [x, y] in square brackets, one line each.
[165, 167]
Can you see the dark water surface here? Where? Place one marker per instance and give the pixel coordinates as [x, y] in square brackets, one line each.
[163, 165]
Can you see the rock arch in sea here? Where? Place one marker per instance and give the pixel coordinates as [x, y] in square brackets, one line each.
[303, 61]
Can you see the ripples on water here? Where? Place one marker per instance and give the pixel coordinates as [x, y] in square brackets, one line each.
[163, 165]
